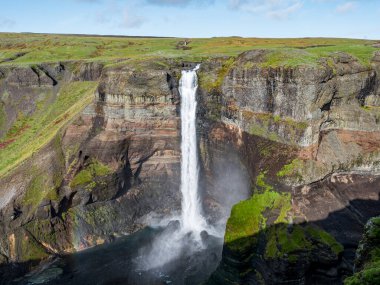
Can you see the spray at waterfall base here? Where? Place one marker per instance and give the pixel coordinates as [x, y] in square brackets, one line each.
[189, 234]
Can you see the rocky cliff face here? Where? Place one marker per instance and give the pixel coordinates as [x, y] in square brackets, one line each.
[323, 110]
[301, 142]
[304, 131]
[111, 168]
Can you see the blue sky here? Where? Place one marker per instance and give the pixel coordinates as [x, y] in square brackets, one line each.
[195, 18]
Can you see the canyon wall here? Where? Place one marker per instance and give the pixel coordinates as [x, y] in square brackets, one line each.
[309, 139]
[301, 143]
[113, 167]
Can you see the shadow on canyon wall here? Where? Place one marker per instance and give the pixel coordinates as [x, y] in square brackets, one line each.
[299, 254]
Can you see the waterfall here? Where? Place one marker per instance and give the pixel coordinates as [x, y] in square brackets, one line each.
[181, 239]
[191, 219]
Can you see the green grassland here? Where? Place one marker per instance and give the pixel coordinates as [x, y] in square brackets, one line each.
[30, 133]
[35, 48]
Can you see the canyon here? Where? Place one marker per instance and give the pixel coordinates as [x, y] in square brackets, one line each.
[289, 161]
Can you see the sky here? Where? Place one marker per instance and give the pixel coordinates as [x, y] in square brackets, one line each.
[195, 18]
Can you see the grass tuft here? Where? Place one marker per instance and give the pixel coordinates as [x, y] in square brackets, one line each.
[87, 175]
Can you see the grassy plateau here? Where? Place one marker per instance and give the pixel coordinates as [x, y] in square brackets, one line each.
[30, 132]
[35, 48]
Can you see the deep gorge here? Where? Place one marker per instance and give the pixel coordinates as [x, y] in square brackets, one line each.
[298, 146]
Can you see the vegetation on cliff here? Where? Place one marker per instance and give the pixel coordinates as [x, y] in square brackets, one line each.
[31, 132]
[368, 256]
[89, 173]
[247, 217]
[270, 212]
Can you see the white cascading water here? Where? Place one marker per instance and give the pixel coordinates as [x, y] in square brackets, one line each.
[192, 219]
[170, 245]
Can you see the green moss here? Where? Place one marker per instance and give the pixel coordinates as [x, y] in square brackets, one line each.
[331, 64]
[301, 126]
[19, 126]
[42, 230]
[261, 131]
[369, 276]
[89, 187]
[31, 250]
[369, 251]
[100, 169]
[83, 177]
[72, 215]
[94, 216]
[293, 241]
[325, 238]
[36, 191]
[262, 123]
[87, 175]
[41, 187]
[247, 217]
[373, 232]
[287, 241]
[52, 195]
[210, 81]
[290, 169]
[261, 183]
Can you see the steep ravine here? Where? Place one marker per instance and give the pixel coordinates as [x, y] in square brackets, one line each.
[302, 142]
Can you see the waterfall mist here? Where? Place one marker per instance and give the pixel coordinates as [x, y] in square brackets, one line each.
[189, 234]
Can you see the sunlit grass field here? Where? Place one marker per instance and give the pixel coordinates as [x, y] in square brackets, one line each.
[30, 133]
[36, 48]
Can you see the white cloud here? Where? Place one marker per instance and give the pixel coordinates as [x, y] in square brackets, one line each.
[116, 15]
[131, 20]
[277, 9]
[346, 7]
[6, 23]
[284, 13]
[179, 2]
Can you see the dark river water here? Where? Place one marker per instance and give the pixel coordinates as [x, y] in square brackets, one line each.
[120, 263]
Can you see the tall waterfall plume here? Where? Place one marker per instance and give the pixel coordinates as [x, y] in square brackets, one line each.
[191, 219]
